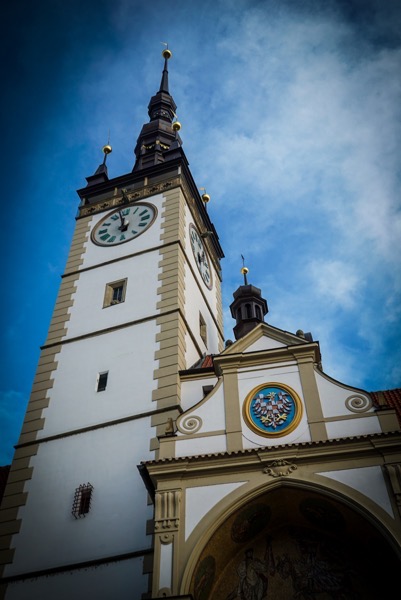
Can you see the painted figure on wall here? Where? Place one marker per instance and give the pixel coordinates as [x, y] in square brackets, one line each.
[253, 575]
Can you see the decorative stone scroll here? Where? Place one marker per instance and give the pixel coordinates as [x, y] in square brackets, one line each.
[279, 468]
[358, 404]
[189, 424]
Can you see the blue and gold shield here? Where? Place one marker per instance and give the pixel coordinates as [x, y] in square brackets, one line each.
[272, 409]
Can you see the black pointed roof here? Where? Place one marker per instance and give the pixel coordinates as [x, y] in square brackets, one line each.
[101, 174]
[248, 307]
[164, 81]
[158, 141]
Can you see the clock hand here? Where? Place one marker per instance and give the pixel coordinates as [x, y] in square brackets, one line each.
[121, 219]
[124, 222]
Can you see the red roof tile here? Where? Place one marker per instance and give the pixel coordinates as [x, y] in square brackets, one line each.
[207, 362]
[390, 398]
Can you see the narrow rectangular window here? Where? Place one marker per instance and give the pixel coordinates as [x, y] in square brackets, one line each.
[85, 501]
[202, 329]
[102, 381]
[115, 293]
[82, 500]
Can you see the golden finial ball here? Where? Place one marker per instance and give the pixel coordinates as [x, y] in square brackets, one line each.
[167, 53]
[107, 149]
[244, 270]
[176, 126]
[205, 198]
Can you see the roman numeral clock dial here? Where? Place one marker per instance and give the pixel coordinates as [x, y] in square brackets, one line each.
[201, 259]
[124, 224]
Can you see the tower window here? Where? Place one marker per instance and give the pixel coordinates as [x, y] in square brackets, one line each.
[248, 310]
[115, 293]
[203, 329]
[258, 312]
[82, 500]
[102, 381]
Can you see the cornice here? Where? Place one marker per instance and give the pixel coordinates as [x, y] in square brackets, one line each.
[264, 329]
[130, 195]
[298, 353]
[346, 449]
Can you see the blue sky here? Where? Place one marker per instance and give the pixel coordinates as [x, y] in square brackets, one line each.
[291, 119]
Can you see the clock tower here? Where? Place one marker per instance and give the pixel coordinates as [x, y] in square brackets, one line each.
[139, 302]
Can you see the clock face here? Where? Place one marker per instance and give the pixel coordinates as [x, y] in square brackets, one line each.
[124, 224]
[200, 255]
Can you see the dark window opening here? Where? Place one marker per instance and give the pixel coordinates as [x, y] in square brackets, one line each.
[203, 329]
[118, 294]
[248, 310]
[82, 500]
[102, 381]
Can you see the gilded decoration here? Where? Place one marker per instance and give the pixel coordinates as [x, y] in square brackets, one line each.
[272, 409]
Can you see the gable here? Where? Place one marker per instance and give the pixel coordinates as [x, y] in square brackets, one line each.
[264, 337]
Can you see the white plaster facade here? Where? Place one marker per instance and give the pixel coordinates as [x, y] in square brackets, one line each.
[100, 437]
[220, 465]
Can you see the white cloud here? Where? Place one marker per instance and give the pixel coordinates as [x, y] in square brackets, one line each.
[336, 282]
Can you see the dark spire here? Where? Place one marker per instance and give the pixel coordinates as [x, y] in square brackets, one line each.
[248, 308]
[100, 174]
[164, 81]
[159, 141]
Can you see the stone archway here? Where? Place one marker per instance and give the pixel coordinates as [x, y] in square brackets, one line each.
[291, 543]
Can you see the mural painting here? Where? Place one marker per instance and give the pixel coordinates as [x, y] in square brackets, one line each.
[285, 561]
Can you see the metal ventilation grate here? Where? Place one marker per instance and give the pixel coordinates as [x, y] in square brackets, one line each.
[82, 500]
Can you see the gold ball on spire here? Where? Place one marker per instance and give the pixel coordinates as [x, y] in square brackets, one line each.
[244, 270]
[167, 53]
[176, 126]
[107, 149]
[205, 198]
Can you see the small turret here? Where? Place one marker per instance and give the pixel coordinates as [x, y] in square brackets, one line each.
[248, 308]
[100, 175]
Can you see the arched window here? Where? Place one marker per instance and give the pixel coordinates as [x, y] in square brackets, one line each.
[248, 311]
[258, 312]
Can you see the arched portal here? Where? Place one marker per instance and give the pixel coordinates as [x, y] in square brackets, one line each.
[291, 543]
